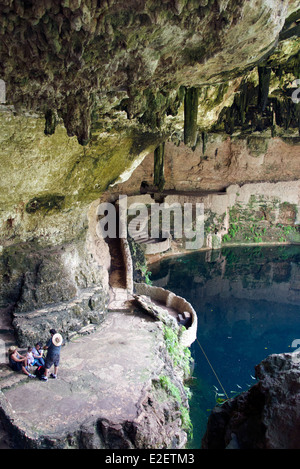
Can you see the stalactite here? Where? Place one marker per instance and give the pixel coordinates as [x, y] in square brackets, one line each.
[229, 120]
[242, 102]
[190, 116]
[159, 178]
[50, 123]
[264, 74]
[204, 142]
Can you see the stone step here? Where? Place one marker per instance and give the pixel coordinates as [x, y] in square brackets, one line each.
[7, 335]
[118, 305]
[145, 240]
[33, 326]
[56, 307]
[10, 378]
[120, 300]
[148, 240]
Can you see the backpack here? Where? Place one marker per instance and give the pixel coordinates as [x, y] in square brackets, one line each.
[39, 372]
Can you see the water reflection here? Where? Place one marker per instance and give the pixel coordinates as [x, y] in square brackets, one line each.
[247, 301]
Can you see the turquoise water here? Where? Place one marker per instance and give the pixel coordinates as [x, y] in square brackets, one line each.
[248, 306]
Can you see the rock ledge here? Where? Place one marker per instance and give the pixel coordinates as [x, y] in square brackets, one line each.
[107, 395]
[267, 416]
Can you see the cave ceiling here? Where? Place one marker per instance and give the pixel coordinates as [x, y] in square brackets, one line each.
[80, 60]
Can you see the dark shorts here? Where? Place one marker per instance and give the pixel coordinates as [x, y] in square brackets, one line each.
[52, 360]
[16, 366]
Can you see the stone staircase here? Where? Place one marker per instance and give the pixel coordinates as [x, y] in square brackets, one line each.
[152, 245]
[119, 298]
[9, 378]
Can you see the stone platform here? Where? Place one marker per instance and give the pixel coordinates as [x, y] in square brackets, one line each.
[105, 395]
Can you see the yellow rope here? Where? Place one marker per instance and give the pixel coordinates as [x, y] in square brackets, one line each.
[212, 368]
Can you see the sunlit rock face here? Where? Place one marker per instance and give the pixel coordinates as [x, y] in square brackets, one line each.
[48, 182]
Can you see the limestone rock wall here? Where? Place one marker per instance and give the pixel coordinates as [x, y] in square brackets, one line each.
[251, 196]
[225, 161]
[265, 417]
[48, 182]
[62, 287]
[251, 213]
[140, 59]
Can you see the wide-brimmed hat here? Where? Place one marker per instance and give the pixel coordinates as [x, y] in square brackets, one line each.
[57, 339]
[12, 349]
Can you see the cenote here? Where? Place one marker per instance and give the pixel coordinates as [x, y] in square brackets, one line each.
[247, 300]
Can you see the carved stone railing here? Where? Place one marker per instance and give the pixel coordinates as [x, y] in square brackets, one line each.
[177, 303]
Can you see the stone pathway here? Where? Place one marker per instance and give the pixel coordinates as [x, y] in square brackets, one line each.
[119, 299]
[118, 295]
[102, 377]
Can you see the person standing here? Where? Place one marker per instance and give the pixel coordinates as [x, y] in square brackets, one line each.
[29, 357]
[53, 348]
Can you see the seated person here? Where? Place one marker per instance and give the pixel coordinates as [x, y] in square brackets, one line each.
[18, 362]
[29, 357]
[37, 353]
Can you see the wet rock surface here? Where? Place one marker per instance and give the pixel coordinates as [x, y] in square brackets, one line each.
[265, 417]
[107, 394]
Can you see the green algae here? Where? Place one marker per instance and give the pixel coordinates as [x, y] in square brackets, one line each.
[46, 203]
